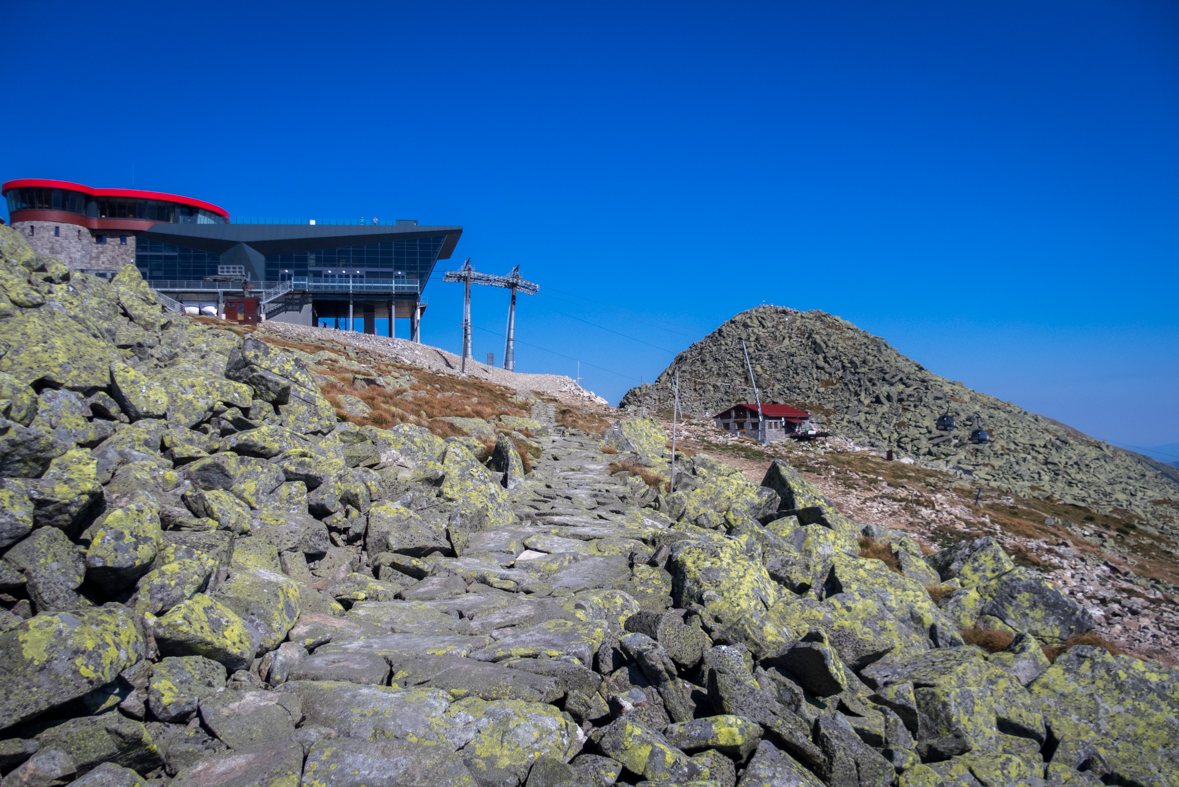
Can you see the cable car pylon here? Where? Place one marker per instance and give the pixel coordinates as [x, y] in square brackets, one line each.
[514, 282]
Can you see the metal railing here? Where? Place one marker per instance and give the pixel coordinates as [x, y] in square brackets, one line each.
[171, 304]
[332, 222]
[274, 292]
[269, 290]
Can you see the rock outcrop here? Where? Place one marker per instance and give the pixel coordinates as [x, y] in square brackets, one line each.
[208, 578]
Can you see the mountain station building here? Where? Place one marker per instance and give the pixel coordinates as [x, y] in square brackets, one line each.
[780, 420]
[298, 271]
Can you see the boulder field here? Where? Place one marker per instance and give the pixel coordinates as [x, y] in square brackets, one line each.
[208, 578]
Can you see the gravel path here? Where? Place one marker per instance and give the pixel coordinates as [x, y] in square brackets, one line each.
[438, 360]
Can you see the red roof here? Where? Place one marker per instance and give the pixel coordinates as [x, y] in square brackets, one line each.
[132, 193]
[774, 411]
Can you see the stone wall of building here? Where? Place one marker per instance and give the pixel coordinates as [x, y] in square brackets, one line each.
[77, 246]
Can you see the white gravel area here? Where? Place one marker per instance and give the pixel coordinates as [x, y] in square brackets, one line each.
[438, 360]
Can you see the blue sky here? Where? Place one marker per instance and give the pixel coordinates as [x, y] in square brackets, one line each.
[993, 187]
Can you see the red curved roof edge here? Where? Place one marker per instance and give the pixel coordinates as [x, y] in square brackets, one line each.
[132, 193]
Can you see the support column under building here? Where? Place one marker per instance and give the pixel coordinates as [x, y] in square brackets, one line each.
[415, 323]
[351, 324]
[370, 319]
[510, 345]
[392, 315]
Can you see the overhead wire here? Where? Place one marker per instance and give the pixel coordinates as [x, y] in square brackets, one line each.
[554, 352]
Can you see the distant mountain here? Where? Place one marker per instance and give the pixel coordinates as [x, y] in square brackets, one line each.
[862, 388]
[1168, 453]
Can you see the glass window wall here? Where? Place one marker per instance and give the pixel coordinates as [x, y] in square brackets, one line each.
[164, 262]
[108, 207]
[375, 262]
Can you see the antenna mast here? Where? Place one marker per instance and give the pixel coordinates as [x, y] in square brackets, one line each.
[761, 423]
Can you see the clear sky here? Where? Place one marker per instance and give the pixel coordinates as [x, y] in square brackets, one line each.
[991, 186]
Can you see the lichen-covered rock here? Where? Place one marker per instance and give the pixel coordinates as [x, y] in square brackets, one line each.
[1125, 709]
[394, 528]
[123, 545]
[479, 503]
[354, 406]
[18, 401]
[110, 775]
[16, 512]
[266, 601]
[964, 702]
[46, 347]
[48, 768]
[733, 588]
[67, 494]
[263, 765]
[57, 657]
[178, 684]
[163, 588]
[202, 626]
[645, 753]
[727, 494]
[138, 395]
[281, 379]
[502, 739]
[346, 762]
[241, 719]
[373, 712]
[506, 459]
[109, 738]
[1025, 600]
[733, 736]
[971, 562]
[25, 452]
[641, 436]
[1024, 658]
[53, 567]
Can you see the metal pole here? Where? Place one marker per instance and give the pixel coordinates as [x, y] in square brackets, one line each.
[510, 347]
[761, 429]
[392, 312]
[351, 326]
[415, 327]
[674, 412]
[467, 326]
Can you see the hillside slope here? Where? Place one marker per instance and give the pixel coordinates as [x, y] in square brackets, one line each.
[862, 388]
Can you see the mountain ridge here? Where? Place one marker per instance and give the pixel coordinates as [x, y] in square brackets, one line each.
[861, 387]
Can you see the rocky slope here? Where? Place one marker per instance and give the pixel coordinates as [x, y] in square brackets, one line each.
[217, 568]
[860, 387]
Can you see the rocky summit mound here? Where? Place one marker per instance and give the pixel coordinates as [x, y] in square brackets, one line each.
[230, 560]
[860, 387]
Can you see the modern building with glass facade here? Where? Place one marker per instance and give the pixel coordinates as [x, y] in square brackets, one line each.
[304, 272]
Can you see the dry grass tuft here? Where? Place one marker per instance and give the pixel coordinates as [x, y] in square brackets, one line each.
[590, 423]
[649, 478]
[1053, 651]
[938, 592]
[988, 639]
[874, 550]
[609, 449]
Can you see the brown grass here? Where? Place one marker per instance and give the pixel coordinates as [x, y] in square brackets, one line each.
[1053, 651]
[588, 422]
[649, 478]
[874, 550]
[609, 449]
[988, 639]
[938, 592]
[679, 449]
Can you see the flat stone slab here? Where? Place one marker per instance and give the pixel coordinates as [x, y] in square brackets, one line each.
[363, 667]
[384, 763]
[463, 677]
[405, 645]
